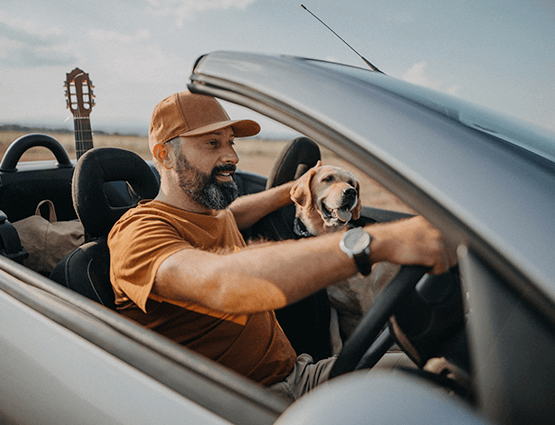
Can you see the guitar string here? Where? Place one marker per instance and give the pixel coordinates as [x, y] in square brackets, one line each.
[80, 128]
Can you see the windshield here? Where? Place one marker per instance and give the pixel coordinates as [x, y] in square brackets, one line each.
[519, 133]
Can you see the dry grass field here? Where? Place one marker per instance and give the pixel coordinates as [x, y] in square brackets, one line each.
[256, 155]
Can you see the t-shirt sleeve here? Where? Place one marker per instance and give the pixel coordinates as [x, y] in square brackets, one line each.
[138, 245]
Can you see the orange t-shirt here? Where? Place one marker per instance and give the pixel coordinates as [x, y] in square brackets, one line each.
[252, 344]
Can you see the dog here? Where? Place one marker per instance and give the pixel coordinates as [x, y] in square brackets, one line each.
[327, 200]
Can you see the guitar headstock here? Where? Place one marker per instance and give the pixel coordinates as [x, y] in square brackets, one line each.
[79, 93]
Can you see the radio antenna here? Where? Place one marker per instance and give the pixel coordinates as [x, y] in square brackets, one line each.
[372, 67]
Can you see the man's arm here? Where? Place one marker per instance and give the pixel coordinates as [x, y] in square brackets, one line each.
[249, 209]
[272, 275]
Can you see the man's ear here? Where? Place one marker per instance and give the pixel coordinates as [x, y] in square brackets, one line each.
[161, 153]
[300, 192]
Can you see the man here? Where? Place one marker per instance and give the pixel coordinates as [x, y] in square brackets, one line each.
[180, 266]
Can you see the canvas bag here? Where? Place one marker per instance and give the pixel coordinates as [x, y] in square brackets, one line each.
[48, 241]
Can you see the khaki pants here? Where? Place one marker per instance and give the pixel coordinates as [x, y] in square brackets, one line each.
[305, 376]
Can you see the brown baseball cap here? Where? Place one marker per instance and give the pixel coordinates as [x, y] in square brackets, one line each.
[189, 114]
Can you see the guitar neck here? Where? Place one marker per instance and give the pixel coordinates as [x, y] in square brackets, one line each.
[83, 135]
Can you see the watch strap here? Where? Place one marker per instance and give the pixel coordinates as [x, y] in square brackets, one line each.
[363, 263]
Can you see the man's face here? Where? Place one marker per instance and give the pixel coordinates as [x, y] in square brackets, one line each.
[209, 183]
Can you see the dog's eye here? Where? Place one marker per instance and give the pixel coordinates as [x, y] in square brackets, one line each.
[327, 178]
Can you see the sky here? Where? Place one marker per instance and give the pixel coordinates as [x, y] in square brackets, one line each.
[496, 53]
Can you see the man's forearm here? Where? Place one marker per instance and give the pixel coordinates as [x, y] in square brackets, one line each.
[272, 275]
[262, 277]
[248, 209]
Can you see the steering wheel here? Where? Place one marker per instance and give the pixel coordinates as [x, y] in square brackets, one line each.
[376, 317]
[426, 316]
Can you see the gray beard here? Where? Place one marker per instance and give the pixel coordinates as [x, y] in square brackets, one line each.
[203, 188]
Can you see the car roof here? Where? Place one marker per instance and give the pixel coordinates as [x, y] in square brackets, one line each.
[486, 180]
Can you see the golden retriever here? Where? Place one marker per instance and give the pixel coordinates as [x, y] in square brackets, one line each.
[326, 200]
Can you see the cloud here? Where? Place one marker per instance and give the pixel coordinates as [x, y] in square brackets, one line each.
[134, 58]
[115, 37]
[184, 10]
[25, 43]
[417, 74]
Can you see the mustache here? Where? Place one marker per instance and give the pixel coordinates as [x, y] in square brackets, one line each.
[224, 168]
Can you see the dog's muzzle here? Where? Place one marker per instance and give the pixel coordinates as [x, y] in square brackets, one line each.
[340, 214]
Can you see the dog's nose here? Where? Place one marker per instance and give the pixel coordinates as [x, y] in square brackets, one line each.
[349, 192]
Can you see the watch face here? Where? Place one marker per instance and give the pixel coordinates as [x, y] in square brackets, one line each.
[356, 241]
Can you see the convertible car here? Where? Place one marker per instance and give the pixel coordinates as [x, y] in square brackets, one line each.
[485, 180]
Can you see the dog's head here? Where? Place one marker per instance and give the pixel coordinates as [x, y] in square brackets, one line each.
[327, 198]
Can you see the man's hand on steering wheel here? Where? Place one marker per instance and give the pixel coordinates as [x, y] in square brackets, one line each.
[412, 241]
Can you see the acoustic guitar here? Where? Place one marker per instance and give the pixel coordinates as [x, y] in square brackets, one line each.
[80, 101]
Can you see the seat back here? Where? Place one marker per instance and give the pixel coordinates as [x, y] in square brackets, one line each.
[86, 270]
[100, 198]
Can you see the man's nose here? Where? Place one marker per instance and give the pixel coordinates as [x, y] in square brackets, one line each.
[230, 156]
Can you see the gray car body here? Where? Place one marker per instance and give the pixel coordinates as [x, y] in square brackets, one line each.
[487, 181]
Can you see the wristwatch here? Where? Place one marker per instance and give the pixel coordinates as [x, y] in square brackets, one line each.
[356, 244]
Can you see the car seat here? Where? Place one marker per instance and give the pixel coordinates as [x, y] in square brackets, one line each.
[106, 183]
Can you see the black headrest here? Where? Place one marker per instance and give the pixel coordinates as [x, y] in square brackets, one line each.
[293, 161]
[103, 165]
[295, 158]
[86, 270]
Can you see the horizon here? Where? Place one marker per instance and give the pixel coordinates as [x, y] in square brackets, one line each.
[120, 130]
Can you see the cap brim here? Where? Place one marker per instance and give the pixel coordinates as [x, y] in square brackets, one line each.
[241, 128]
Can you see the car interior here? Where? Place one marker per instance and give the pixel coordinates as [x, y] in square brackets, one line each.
[427, 321]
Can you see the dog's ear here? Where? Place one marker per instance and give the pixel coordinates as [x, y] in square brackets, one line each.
[358, 207]
[300, 192]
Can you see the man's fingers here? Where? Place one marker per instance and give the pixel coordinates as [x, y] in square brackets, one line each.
[412, 241]
[446, 259]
